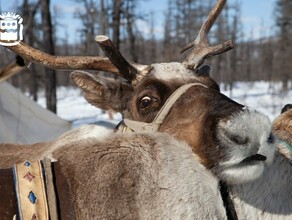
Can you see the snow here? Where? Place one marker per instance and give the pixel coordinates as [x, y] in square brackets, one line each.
[261, 96]
[73, 107]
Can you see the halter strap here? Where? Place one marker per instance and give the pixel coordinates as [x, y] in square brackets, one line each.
[227, 201]
[285, 149]
[158, 120]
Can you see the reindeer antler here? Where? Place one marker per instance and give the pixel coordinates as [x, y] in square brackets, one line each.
[115, 64]
[30, 54]
[202, 49]
[130, 71]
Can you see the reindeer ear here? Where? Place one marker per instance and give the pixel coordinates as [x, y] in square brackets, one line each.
[104, 93]
[286, 108]
[203, 75]
[204, 70]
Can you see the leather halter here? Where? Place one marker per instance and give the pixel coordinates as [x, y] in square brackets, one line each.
[64, 200]
[163, 112]
[227, 202]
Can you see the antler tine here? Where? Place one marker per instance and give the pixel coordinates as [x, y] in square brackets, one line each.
[11, 69]
[30, 54]
[202, 48]
[130, 71]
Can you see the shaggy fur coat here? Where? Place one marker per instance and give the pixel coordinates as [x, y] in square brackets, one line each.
[270, 196]
[282, 126]
[130, 176]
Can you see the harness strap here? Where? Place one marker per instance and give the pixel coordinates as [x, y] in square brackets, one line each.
[227, 202]
[285, 149]
[8, 206]
[30, 191]
[59, 198]
[51, 195]
[163, 112]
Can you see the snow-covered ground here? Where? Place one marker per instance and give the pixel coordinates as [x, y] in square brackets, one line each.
[262, 96]
[258, 95]
[73, 107]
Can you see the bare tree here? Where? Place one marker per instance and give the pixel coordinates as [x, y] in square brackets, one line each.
[103, 21]
[50, 75]
[152, 42]
[169, 28]
[268, 60]
[89, 17]
[233, 55]
[283, 13]
[28, 15]
[130, 6]
[116, 22]
[226, 66]
[219, 61]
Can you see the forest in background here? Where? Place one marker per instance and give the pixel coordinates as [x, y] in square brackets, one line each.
[267, 58]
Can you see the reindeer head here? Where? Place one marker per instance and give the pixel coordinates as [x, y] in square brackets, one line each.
[226, 137]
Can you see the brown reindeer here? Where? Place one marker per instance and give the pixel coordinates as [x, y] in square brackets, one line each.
[152, 175]
[147, 175]
[126, 176]
[207, 120]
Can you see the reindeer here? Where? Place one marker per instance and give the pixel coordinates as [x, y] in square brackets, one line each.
[243, 155]
[269, 196]
[126, 176]
[185, 129]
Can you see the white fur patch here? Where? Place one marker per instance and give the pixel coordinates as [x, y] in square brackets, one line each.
[240, 174]
[93, 131]
[167, 71]
[84, 132]
[255, 128]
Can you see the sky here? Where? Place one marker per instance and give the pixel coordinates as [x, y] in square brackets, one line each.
[256, 16]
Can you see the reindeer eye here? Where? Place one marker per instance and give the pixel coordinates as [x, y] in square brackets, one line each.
[271, 139]
[145, 101]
